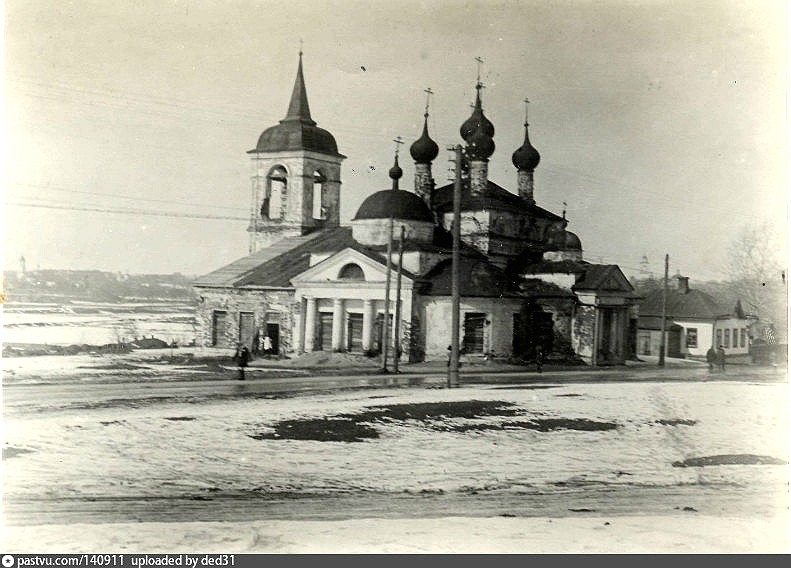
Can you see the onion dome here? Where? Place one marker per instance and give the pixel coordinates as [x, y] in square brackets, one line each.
[297, 131]
[526, 157]
[565, 240]
[424, 149]
[477, 118]
[397, 203]
[395, 172]
[480, 145]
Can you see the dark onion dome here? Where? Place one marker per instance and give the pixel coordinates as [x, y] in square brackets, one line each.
[526, 157]
[565, 240]
[477, 118]
[480, 145]
[395, 203]
[395, 172]
[424, 149]
[297, 131]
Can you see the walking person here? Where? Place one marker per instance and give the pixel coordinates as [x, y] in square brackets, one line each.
[242, 358]
[721, 358]
[711, 358]
[267, 346]
[539, 357]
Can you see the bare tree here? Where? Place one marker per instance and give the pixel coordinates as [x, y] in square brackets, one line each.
[757, 270]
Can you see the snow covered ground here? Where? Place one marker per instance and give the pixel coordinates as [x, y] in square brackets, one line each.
[208, 452]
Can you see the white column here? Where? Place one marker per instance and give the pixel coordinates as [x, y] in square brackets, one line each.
[368, 325]
[310, 324]
[337, 324]
[298, 341]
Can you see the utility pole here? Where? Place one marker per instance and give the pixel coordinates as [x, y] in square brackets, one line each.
[453, 364]
[663, 340]
[397, 333]
[386, 319]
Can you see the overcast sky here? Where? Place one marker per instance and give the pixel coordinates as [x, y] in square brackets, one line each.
[662, 124]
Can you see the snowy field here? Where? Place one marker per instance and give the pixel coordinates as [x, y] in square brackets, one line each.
[96, 323]
[529, 490]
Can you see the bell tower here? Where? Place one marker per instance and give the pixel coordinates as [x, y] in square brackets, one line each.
[296, 181]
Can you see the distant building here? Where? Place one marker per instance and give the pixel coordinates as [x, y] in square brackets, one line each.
[311, 284]
[695, 322]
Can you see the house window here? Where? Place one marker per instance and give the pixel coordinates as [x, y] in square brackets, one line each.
[727, 342]
[743, 341]
[351, 272]
[692, 337]
[735, 338]
[473, 332]
[719, 337]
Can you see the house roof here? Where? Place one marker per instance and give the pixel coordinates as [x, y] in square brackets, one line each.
[277, 264]
[602, 277]
[655, 322]
[493, 197]
[694, 304]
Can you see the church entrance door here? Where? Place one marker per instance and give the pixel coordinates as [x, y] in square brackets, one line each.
[325, 332]
[354, 333]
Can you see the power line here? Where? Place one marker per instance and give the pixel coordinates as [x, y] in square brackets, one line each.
[169, 201]
[128, 211]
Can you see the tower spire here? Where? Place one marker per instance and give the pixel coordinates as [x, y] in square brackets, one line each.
[298, 108]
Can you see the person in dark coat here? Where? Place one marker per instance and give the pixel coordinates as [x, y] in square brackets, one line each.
[539, 357]
[242, 358]
[721, 358]
[711, 358]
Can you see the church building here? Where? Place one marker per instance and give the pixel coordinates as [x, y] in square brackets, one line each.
[311, 283]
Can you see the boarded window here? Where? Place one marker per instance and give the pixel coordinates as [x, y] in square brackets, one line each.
[354, 333]
[727, 342]
[473, 332]
[219, 322]
[743, 342]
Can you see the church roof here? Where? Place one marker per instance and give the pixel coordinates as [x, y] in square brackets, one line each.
[479, 278]
[493, 197]
[694, 304]
[297, 131]
[395, 203]
[277, 264]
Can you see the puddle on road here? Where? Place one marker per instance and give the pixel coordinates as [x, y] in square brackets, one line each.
[357, 426]
[729, 459]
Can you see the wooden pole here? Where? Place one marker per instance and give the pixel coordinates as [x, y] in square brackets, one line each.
[397, 333]
[663, 340]
[386, 319]
[453, 364]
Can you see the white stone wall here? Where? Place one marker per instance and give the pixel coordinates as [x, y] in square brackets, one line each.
[705, 337]
[435, 314]
[268, 306]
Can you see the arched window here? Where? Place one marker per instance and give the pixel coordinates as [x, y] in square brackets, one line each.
[319, 211]
[274, 203]
[351, 272]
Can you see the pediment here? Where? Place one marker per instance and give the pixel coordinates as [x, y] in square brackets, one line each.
[339, 268]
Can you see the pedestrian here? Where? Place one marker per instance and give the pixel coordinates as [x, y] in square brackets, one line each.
[721, 358]
[242, 358]
[711, 358]
[539, 357]
[257, 343]
[267, 347]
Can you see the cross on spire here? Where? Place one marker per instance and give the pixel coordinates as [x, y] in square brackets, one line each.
[428, 92]
[398, 141]
[300, 47]
[527, 104]
[479, 61]
[564, 209]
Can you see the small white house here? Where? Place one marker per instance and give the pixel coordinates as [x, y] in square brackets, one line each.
[695, 322]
